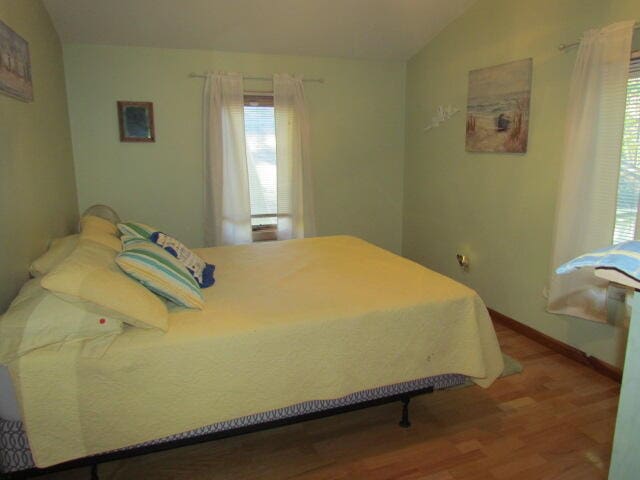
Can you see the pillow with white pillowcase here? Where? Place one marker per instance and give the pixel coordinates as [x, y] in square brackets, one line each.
[37, 318]
[59, 249]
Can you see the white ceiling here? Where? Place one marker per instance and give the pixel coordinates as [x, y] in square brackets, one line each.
[375, 29]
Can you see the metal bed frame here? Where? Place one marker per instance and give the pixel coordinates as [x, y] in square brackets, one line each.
[94, 460]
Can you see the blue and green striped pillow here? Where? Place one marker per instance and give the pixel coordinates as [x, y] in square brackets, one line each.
[160, 272]
[129, 240]
[135, 229]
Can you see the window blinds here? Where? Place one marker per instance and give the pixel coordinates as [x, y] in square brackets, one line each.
[260, 132]
[629, 181]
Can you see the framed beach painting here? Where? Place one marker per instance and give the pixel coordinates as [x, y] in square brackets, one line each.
[136, 122]
[498, 108]
[15, 65]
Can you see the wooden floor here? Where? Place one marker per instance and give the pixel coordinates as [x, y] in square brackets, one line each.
[553, 421]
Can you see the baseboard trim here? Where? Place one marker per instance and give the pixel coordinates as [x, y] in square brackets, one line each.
[562, 348]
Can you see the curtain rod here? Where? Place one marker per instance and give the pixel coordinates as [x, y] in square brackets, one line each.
[254, 77]
[565, 46]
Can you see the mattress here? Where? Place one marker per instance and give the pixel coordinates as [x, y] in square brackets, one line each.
[286, 323]
[15, 454]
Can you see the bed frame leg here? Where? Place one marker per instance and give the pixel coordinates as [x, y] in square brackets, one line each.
[94, 472]
[404, 422]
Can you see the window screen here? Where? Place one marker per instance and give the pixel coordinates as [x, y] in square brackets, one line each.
[260, 132]
[629, 182]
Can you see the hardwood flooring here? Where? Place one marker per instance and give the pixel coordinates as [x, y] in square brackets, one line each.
[553, 421]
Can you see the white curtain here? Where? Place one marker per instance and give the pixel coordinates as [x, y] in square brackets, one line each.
[295, 191]
[227, 210]
[586, 205]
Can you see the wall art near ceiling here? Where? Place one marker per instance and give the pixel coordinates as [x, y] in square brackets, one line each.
[136, 122]
[498, 108]
[15, 65]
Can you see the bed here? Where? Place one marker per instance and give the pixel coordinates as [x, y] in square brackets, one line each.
[289, 330]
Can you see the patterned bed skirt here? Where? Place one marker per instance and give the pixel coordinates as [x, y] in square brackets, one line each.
[15, 453]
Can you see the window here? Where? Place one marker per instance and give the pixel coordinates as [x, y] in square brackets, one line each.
[629, 182]
[260, 132]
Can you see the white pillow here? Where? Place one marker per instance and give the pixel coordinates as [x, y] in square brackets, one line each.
[37, 318]
[59, 249]
[90, 274]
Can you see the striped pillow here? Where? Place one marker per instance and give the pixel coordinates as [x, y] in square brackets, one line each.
[135, 229]
[128, 240]
[159, 272]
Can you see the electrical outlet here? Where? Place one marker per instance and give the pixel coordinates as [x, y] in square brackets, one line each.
[463, 261]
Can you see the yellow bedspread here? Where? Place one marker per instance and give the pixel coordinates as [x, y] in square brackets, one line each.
[286, 322]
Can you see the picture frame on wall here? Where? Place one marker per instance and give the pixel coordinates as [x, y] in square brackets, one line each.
[136, 121]
[15, 65]
[498, 108]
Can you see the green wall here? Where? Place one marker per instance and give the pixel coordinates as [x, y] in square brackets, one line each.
[357, 120]
[618, 10]
[499, 208]
[37, 187]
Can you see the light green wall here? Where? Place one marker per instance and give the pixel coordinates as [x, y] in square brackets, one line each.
[357, 120]
[499, 208]
[37, 188]
[618, 10]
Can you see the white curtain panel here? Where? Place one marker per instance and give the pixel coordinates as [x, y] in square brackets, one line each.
[585, 214]
[227, 210]
[296, 217]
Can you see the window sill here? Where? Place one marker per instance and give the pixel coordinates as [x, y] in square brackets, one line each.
[265, 235]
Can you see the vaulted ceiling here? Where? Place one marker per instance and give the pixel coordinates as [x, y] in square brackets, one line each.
[373, 29]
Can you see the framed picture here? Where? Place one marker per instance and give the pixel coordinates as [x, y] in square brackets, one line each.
[498, 108]
[15, 65]
[136, 122]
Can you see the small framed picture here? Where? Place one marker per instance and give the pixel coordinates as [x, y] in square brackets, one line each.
[15, 65]
[136, 121]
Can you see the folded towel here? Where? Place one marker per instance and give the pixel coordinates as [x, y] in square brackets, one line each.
[623, 257]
